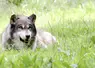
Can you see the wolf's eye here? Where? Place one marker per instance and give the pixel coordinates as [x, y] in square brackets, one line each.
[30, 27]
[20, 27]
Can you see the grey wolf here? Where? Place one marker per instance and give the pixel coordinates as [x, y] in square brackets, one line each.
[21, 33]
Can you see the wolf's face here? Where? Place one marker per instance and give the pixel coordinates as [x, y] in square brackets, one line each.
[23, 27]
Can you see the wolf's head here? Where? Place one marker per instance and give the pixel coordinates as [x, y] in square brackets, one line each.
[23, 27]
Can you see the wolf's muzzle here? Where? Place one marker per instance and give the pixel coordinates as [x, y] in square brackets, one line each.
[25, 41]
[27, 37]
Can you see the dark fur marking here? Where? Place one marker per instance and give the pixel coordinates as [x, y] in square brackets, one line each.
[12, 30]
[34, 29]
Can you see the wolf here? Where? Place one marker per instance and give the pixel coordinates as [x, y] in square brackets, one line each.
[21, 33]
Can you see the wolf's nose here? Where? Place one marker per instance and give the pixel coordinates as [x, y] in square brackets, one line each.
[27, 36]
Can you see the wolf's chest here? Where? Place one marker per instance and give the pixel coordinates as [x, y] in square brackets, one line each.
[17, 44]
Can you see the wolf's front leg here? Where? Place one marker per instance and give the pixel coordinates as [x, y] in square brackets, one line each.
[42, 44]
[34, 46]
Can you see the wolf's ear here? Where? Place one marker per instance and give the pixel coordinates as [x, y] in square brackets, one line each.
[32, 18]
[13, 19]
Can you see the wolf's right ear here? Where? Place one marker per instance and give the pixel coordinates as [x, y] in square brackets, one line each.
[32, 18]
[13, 19]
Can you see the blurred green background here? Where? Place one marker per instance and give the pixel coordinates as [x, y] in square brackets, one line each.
[72, 22]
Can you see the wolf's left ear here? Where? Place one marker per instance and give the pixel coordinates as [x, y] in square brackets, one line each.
[13, 19]
[32, 18]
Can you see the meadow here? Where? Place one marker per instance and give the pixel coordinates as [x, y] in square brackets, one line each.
[72, 22]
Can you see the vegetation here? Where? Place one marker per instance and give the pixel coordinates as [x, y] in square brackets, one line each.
[71, 21]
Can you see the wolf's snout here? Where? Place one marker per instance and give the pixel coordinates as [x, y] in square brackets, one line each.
[27, 36]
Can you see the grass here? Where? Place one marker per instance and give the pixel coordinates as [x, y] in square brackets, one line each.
[72, 25]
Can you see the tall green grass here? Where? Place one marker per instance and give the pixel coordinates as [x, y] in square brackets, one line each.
[71, 22]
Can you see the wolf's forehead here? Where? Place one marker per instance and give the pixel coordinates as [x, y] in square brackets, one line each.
[23, 20]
